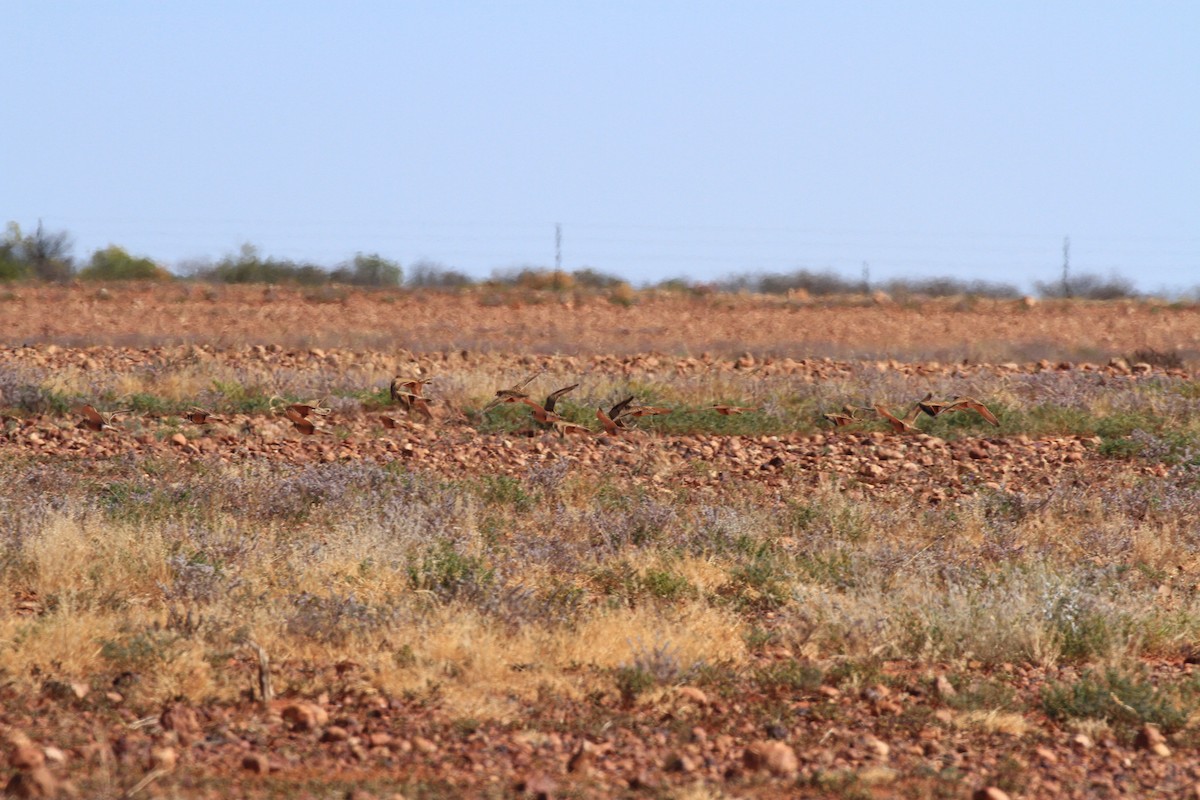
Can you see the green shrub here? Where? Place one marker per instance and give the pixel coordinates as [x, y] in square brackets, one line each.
[369, 270]
[1120, 699]
[115, 264]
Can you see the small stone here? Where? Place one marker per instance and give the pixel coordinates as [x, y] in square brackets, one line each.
[335, 733]
[1082, 741]
[1048, 756]
[693, 694]
[257, 763]
[304, 716]
[1150, 738]
[581, 760]
[875, 746]
[54, 755]
[990, 793]
[36, 782]
[877, 776]
[944, 688]
[179, 439]
[380, 739]
[423, 745]
[23, 753]
[870, 470]
[181, 719]
[164, 758]
[773, 756]
[680, 762]
[540, 787]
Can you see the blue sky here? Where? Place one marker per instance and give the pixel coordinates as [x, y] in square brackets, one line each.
[669, 139]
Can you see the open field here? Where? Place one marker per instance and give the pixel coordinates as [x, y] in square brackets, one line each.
[755, 605]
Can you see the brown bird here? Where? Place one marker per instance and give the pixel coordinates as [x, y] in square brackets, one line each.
[303, 409]
[511, 394]
[847, 416]
[301, 423]
[606, 420]
[540, 414]
[900, 425]
[96, 421]
[971, 404]
[618, 410]
[840, 420]
[930, 406]
[201, 417]
[552, 398]
[645, 411]
[566, 428]
[411, 401]
[409, 393]
[411, 385]
[729, 410]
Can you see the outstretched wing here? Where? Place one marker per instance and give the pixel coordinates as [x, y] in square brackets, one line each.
[552, 398]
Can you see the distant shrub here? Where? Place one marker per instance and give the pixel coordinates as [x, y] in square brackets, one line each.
[41, 255]
[1088, 287]
[431, 275]
[249, 267]
[113, 263]
[680, 284]
[950, 287]
[369, 270]
[1156, 358]
[535, 279]
[11, 267]
[622, 295]
[589, 278]
[815, 283]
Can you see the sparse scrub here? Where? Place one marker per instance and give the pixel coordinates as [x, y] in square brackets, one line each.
[1123, 700]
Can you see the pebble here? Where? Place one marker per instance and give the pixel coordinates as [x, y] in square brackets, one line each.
[773, 756]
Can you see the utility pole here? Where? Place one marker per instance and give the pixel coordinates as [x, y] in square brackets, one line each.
[558, 247]
[1066, 266]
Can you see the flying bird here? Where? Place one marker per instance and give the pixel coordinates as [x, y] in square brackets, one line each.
[840, 420]
[539, 413]
[97, 421]
[200, 416]
[512, 394]
[566, 428]
[645, 411]
[609, 424]
[409, 393]
[303, 409]
[971, 404]
[301, 422]
[552, 398]
[729, 410]
[900, 425]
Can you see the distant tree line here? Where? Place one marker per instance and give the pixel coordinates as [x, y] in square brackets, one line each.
[46, 256]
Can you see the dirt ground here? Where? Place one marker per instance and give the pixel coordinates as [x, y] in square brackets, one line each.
[513, 321]
[897, 730]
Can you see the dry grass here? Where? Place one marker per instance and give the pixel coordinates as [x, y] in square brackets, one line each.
[405, 576]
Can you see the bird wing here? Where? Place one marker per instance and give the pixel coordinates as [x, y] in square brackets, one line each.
[552, 398]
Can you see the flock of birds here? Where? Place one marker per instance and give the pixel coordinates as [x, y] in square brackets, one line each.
[409, 394]
[850, 415]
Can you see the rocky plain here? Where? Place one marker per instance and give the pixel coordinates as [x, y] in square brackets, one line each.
[698, 604]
